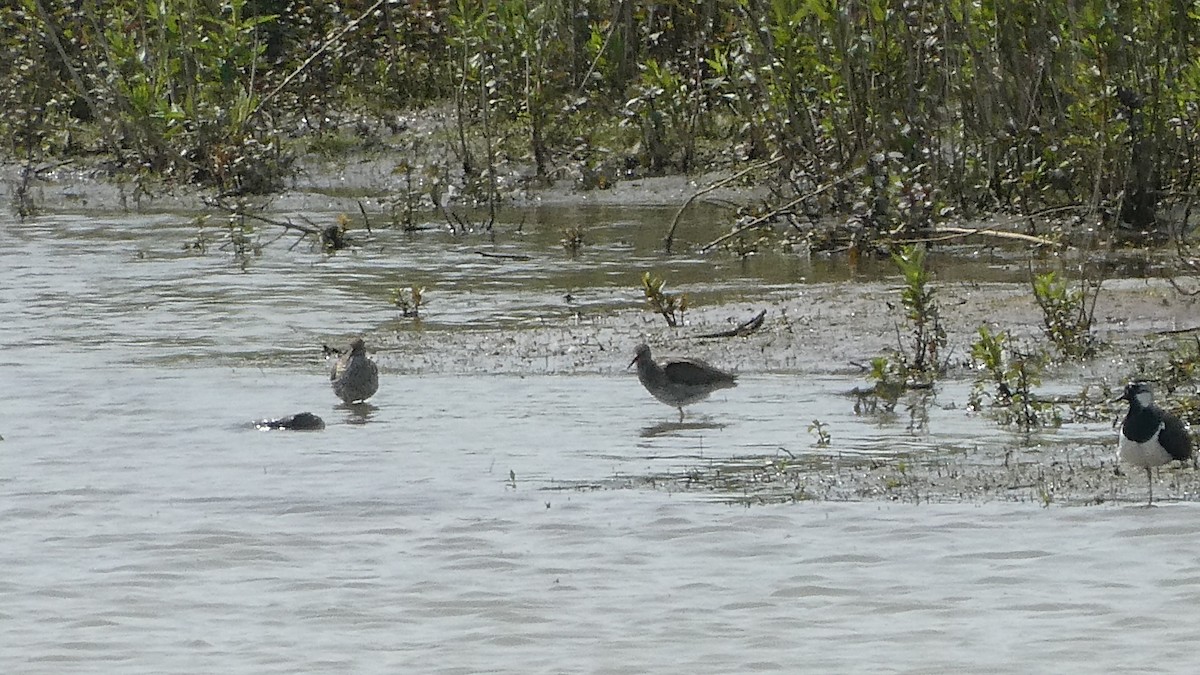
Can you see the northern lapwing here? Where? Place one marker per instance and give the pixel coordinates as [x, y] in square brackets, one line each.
[354, 376]
[1150, 436]
[679, 382]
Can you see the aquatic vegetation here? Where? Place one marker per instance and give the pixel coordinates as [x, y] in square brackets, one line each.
[891, 380]
[409, 300]
[241, 238]
[820, 430]
[1013, 372]
[1173, 367]
[22, 203]
[573, 239]
[920, 354]
[1183, 364]
[670, 305]
[988, 352]
[1067, 313]
[200, 243]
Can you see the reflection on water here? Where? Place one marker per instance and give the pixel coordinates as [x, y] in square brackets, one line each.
[497, 523]
[358, 413]
[668, 428]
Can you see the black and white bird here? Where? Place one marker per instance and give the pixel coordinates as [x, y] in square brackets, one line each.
[1150, 436]
[679, 382]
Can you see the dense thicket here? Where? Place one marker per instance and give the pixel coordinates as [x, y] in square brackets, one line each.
[951, 104]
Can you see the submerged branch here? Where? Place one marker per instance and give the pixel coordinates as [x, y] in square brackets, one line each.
[307, 230]
[241, 212]
[670, 238]
[782, 209]
[505, 256]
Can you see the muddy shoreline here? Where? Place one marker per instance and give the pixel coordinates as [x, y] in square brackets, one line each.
[812, 328]
[817, 328]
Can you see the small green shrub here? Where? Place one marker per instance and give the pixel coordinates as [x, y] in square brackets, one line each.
[819, 430]
[1014, 373]
[670, 305]
[926, 337]
[409, 300]
[1067, 313]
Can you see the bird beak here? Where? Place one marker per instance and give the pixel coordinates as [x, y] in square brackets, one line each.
[631, 363]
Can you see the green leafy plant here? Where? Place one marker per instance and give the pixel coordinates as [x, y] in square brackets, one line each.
[890, 380]
[926, 337]
[988, 353]
[670, 305]
[1183, 364]
[242, 238]
[409, 300]
[1067, 313]
[1013, 373]
[820, 430]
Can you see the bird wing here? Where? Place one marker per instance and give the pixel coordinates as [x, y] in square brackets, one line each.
[1175, 435]
[697, 373]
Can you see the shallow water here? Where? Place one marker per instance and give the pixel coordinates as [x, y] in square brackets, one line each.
[499, 523]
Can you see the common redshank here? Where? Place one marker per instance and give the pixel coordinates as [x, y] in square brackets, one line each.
[679, 382]
[354, 376]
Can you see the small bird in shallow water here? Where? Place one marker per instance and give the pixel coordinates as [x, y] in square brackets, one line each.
[679, 382]
[1150, 436]
[354, 377]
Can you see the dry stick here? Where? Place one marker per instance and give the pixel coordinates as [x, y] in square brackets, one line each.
[366, 219]
[505, 256]
[285, 224]
[763, 218]
[959, 232]
[949, 232]
[307, 62]
[742, 330]
[670, 238]
[1178, 331]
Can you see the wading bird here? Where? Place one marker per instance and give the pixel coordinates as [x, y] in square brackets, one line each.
[679, 382]
[1150, 436]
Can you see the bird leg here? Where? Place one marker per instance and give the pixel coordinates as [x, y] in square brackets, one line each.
[1150, 484]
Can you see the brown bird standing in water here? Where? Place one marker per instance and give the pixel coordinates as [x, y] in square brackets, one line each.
[679, 382]
[355, 377]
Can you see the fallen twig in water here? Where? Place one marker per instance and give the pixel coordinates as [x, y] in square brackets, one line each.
[743, 329]
[243, 213]
[505, 256]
